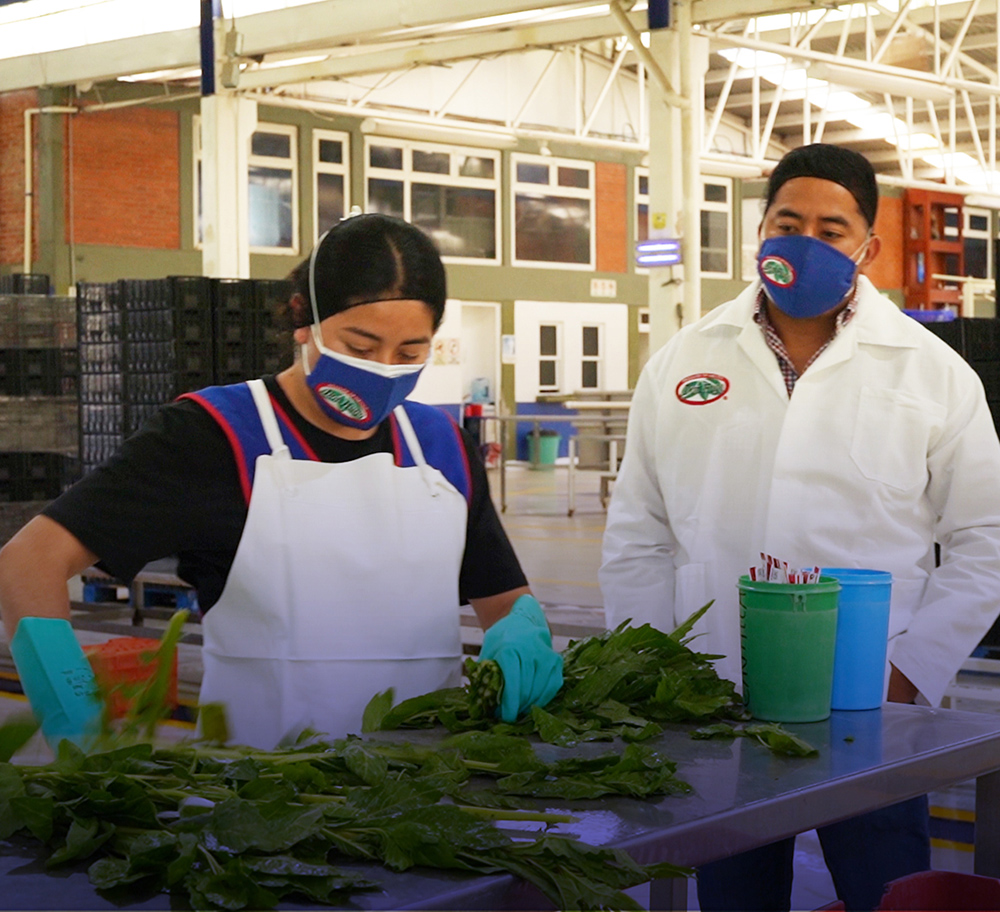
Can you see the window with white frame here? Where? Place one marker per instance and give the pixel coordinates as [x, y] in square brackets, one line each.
[716, 221]
[716, 227]
[273, 201]
[591, 357]
[331, 188]
[641, 205]
[449, 192]
[272, 178]
[553, 204]
[549, 357]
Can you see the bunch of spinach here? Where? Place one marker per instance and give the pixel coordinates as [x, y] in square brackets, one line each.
[236, 828]
[626, 683]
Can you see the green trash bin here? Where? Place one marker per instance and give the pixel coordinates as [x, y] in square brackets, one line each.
[543, 456]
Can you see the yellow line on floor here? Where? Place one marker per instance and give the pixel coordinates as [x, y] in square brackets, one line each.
[946, 813]
[955, 846]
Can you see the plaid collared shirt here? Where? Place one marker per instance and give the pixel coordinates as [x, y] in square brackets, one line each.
[788, 372]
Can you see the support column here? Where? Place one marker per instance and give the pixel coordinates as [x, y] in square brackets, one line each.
[665, 190]
[51, 254]
[675, 174]
[227, 123]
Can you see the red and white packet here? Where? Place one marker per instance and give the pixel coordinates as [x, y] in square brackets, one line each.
[772, 570]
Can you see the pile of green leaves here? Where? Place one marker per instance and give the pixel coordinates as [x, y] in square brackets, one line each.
[236, 828]
[626, 683]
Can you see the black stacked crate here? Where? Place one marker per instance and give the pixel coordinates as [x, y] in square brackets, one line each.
[272, 331]
[24, 283]
[38, 395]
[144, 342]
[235, 336]
[977, 339]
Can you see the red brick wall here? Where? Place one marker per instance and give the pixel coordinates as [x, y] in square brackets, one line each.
[886, 272]
[611, 205]
[12, 108]
[126, 178]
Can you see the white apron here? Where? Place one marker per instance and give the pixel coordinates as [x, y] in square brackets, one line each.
[344, 583]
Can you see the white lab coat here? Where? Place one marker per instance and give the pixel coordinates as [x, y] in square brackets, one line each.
[886, 445]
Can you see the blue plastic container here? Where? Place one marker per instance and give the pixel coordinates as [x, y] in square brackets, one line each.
[944, 315]
[862, 637]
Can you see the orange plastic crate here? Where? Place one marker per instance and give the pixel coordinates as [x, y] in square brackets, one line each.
[127, 660]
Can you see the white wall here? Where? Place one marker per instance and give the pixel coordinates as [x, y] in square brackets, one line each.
[613, 318]
[441, 381]
[465, 346]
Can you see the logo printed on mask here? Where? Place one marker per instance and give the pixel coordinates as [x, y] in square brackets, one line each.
[343, 401]
[777, 270]
[702, 389]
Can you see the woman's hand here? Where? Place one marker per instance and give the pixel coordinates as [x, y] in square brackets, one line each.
[520, 643]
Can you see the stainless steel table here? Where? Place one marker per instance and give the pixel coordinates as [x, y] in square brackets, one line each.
[743, 797]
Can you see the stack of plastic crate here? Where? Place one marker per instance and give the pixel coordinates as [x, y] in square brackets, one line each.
[251, 338]
[38, 390]
[101, 332]
[234, 309]
[143, 342]
[24, 283]
[272, 329]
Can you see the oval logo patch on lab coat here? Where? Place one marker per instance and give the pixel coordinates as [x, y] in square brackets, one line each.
[778, 270]
[701, 389]
[343, 401]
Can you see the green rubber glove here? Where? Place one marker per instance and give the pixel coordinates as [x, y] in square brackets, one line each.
[520, 643]
[57, 679]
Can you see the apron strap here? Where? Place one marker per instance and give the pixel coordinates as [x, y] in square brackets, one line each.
[262, 399]
[416, 451]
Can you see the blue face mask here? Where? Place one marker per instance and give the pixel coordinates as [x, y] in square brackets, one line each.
[354, 391]
[357, 392]
[804, 276]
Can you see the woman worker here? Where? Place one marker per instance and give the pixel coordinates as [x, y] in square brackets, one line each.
[330, 526]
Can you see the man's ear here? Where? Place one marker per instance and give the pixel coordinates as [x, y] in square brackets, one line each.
[874, 246]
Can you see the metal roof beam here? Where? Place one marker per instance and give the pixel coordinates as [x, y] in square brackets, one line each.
[703, 11]
[434, 52]
[326, 23]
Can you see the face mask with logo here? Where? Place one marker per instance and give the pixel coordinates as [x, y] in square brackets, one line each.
[354, 391]
[357, 392]
[804, 276]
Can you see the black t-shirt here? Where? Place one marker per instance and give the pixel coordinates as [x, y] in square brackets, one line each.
[174, 489]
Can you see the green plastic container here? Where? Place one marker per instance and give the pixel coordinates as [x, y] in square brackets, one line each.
[788, 636]
[547, 450]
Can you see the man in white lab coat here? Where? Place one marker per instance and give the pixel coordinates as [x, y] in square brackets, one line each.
[812, 420]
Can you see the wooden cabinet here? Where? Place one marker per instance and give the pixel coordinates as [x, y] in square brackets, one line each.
[932, 247]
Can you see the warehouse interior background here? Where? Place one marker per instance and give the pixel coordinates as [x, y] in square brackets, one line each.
[536, 142]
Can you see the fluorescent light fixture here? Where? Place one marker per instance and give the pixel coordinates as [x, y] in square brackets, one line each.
[747, 58]
[985, 200]
[445, 133]
[658, 252]
[915, 141]
[874, 81]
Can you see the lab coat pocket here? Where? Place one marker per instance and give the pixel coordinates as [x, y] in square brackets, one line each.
[892, 436]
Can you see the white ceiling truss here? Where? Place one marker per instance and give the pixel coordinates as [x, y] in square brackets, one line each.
[912, 84]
